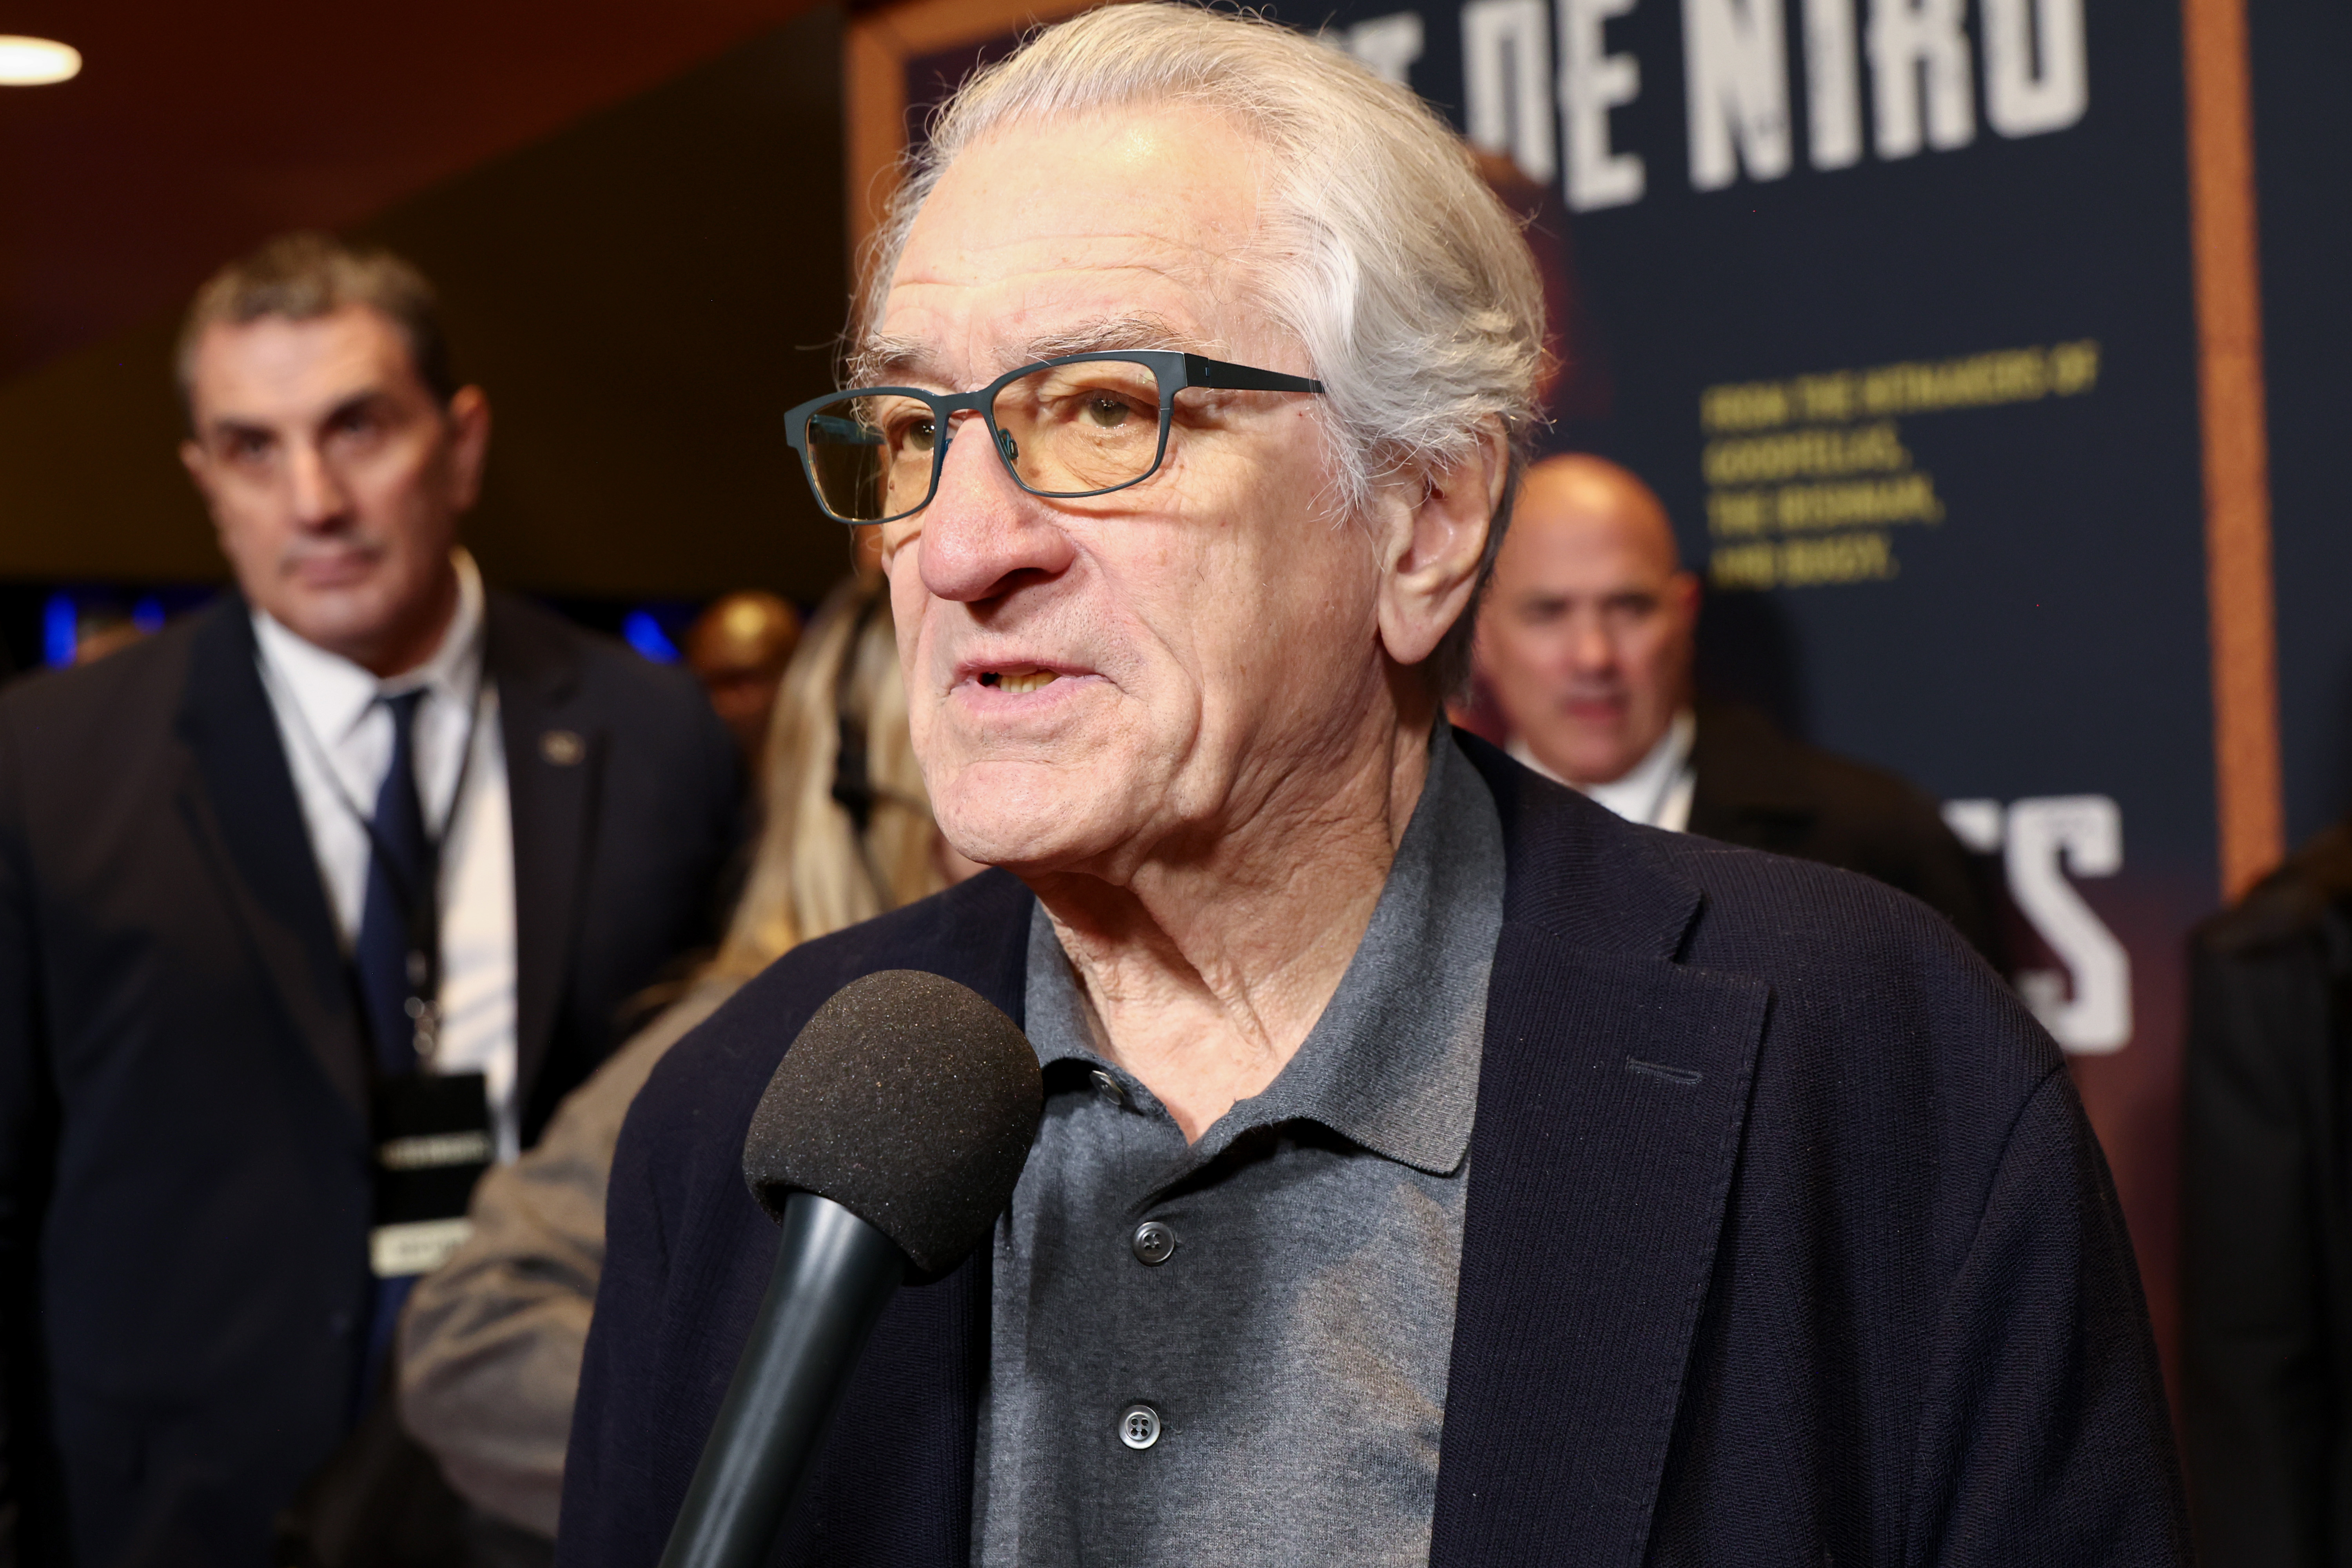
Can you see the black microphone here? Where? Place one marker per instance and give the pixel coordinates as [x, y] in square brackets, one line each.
[890, 1139]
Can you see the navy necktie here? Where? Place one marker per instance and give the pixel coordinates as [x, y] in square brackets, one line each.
[397, 920]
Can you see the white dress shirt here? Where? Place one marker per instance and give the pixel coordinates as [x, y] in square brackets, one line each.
[1655, 791]
[337, 739]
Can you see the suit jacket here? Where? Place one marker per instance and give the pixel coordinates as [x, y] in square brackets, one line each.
[2267, 1205]
[1759, 787]
[185, 1188]
[1786, 1242]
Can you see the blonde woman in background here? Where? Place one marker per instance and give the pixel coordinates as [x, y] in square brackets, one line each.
[490, 1345]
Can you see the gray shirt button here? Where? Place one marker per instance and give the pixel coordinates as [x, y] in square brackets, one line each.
[1139, 1426]
[1108, 1086]
[1153, 1243]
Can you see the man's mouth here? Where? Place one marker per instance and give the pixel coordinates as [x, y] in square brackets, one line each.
[334, 566]
[1595, 709]
[1018, 682]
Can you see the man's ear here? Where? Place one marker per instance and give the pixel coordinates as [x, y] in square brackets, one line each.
[191, 457]
[199, 463]
[1685, 587]
[469, 444]
[1438, 523]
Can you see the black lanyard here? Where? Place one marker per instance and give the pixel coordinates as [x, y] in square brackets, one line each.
[420, 907]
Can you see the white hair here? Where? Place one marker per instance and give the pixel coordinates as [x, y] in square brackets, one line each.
[1384, 251]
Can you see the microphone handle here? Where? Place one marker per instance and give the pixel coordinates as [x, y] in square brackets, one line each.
[834, 1273]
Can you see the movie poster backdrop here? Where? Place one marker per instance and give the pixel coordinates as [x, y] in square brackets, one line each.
[1891, 302]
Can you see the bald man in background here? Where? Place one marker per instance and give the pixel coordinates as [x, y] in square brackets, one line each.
[738, 648]
[1587, 637]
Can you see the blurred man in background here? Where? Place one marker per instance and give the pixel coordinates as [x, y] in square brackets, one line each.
[1587, 636]
[310, 905]
[737, 647]
[490, 1344]
[2267, 1259]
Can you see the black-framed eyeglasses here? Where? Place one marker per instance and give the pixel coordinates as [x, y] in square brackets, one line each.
[1082, 425]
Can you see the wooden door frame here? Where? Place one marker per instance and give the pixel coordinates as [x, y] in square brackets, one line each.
[2249, 790]
[876, 48]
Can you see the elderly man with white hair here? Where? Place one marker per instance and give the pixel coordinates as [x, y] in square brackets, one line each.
[1434, 1167]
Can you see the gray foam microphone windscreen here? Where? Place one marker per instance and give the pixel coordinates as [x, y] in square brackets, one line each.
[911, 1102]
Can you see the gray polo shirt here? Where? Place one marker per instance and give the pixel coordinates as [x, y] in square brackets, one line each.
[1280, 1295]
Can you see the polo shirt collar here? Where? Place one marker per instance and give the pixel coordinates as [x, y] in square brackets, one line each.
[1392, 1064]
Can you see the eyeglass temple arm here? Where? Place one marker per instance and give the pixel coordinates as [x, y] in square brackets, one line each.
[1218, 374]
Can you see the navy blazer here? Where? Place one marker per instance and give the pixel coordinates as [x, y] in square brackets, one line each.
[1787, 1242]
[185, 1151]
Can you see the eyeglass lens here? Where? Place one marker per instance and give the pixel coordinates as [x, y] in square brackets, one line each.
[1065, 430]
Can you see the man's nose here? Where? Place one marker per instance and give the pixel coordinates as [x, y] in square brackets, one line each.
[1591, 648]
[317, 491]
[983, 534]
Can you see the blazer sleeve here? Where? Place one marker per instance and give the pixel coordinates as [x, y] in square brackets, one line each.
[27, 1125]
[2043, 1438]
[1940, 874]
[608, 1473]
[2260, 1417]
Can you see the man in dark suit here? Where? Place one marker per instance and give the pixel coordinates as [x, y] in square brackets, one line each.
[1698, 1205]
[308, 906]
[2268, 1236]
[1586, 640]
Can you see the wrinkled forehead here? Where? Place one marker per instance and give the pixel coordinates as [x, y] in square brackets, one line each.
[1576, 539]
[276, 367]
[1135, 227]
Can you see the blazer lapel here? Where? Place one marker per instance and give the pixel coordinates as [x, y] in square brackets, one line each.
[910, 1423]
[237, 797]
[988, 950]
[1610, 1107]
[555, 759]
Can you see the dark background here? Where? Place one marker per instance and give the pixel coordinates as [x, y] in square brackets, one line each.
[643, 291]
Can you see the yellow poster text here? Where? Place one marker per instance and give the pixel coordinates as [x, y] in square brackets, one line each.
[1799, 509]
[1911, 386]
[1865, 556]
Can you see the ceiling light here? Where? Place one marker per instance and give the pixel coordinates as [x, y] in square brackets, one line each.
[30, 62]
